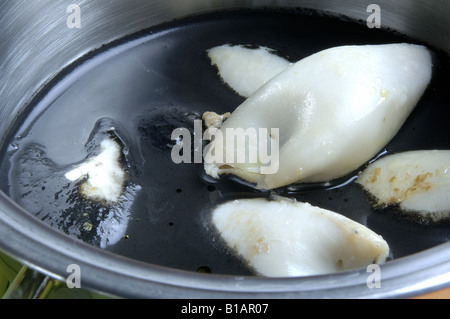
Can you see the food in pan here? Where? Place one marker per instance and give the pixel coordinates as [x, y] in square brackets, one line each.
[157, 81]
[417, 181]
[335, 110]
[284, 238]
[102, 176]
[246, 69]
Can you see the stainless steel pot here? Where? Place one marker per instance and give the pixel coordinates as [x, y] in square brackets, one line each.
[36, 44]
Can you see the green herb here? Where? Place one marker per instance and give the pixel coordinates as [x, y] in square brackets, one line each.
[8, 271]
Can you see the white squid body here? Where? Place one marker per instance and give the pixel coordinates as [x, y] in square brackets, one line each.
[245, 70]
[334, 110]
[284, 238]
[418, 181]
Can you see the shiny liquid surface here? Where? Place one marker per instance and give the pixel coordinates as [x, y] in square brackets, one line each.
[139, 90]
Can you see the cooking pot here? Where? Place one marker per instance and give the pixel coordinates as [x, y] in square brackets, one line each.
[36, 44]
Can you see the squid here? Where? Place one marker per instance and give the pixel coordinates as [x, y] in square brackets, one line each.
[246, 69]
[324, 116]
[286, 238]
[416, 181]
